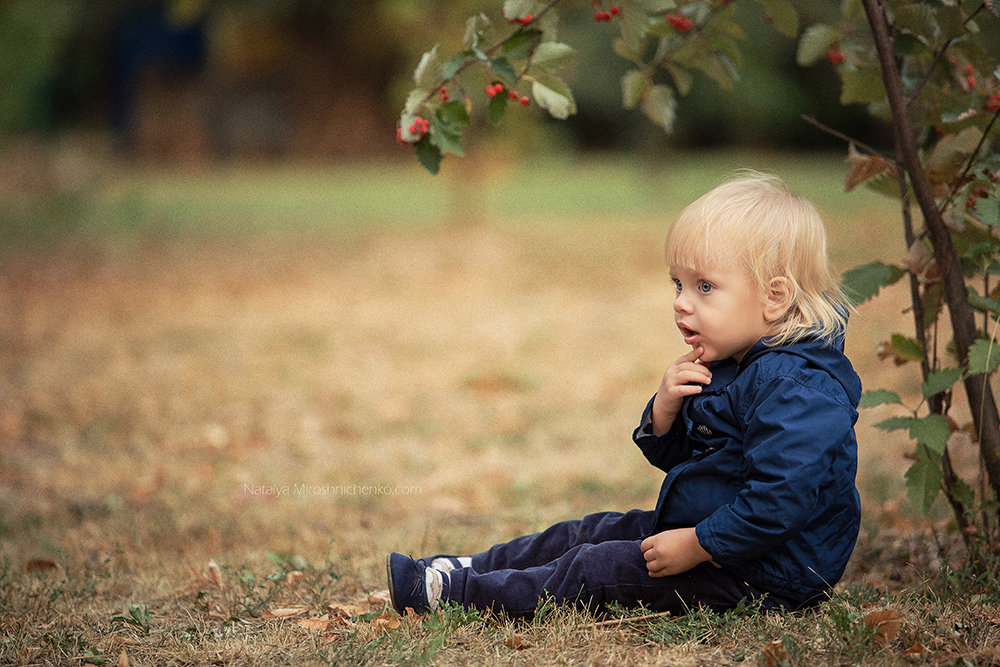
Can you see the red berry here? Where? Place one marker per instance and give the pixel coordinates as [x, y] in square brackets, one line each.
[524, 101]
[399, 135]
[444, 93]
[971, 81]
[602, 16]
[836, 56]
[513, 94]
[680, 22]
[993, 103]
[615, 10]
[493, 89]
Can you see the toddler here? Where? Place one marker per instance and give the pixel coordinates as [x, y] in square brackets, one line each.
[754, 428]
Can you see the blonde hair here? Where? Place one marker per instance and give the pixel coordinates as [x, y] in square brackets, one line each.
[756, 221]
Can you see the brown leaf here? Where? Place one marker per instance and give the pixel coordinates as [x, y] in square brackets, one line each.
[323, 623]
[774, 653]
[517, 642]
[37, 565]
[345, 609]
[379, 597]
[886, 624]
[294, 576]
[864, 167]
[386, 622]
[212, 575]
[916, 652]
[123, 659]
[284, 612]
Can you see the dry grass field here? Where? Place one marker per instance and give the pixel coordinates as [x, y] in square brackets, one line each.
[225, 396]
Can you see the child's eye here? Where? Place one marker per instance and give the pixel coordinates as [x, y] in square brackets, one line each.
[677, 285]
[705, 287]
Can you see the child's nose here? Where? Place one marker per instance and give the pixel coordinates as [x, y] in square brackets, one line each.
[681, 304]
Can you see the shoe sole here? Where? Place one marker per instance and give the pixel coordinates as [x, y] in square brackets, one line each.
[388, 576]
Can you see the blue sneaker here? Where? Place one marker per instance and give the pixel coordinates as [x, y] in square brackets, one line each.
[414, 585]
[447, 563]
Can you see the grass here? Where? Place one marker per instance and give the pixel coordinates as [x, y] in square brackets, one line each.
[229, 393]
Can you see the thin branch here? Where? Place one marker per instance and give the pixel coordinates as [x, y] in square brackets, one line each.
[845, 138]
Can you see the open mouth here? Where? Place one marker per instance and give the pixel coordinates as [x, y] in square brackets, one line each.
[690, 335]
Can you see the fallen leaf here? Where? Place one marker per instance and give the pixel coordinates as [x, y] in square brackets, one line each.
[39, 565]
[380, 597]
[212, 574]
[323, 623]
[517, 642]
[294, 576]
[345, 609]
[386, 622]
[916, 652]
[774, 653]
[886, 624]
[123, 659]
[284, 612]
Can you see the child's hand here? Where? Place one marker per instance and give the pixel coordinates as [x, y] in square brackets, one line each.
[683, 377]
[673, 552]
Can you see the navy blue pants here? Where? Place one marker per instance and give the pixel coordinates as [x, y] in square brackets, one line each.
[591, 562]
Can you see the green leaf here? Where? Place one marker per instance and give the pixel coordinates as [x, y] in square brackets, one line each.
[550, 56]
[984, 357]
[923, 484]
[987, 211]
[634, 84]
[635, 23]
[814, 43]
[940, 381]
[451, 66]
[861, 85]
[428, 72]
[660, 106]
[498, 105]
[413, 103]
[502, 68]
[649, 6]
[783, 16]
[983, 303]
[519, 45]
[874, 397]
[553, 95]
[931, 430]
[428, 155]
[864, 282]
[906, 348]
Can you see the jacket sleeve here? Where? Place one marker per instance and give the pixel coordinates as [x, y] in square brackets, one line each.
[793, 435]
[663, 451]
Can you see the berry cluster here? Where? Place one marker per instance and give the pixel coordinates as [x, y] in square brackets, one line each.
[418, 129]
[494, 89]
[608, 15]
[443, 92]
[680, 22]
[835, 56]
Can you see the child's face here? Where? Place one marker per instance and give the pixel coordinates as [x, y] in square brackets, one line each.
[718, 308]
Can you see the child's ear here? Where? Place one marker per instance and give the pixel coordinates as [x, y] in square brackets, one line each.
[779, 298]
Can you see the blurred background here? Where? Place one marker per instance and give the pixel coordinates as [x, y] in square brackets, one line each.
[220, 272]
[193, 82]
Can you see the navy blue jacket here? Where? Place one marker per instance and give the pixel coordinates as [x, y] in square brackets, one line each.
[762, 463]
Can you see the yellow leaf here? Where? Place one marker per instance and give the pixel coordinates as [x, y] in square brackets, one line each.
[386, 622]
[774, 653]
[517, 642]
[886, 624]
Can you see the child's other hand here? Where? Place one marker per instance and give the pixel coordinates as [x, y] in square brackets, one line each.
[673, 552]
[683, 377]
